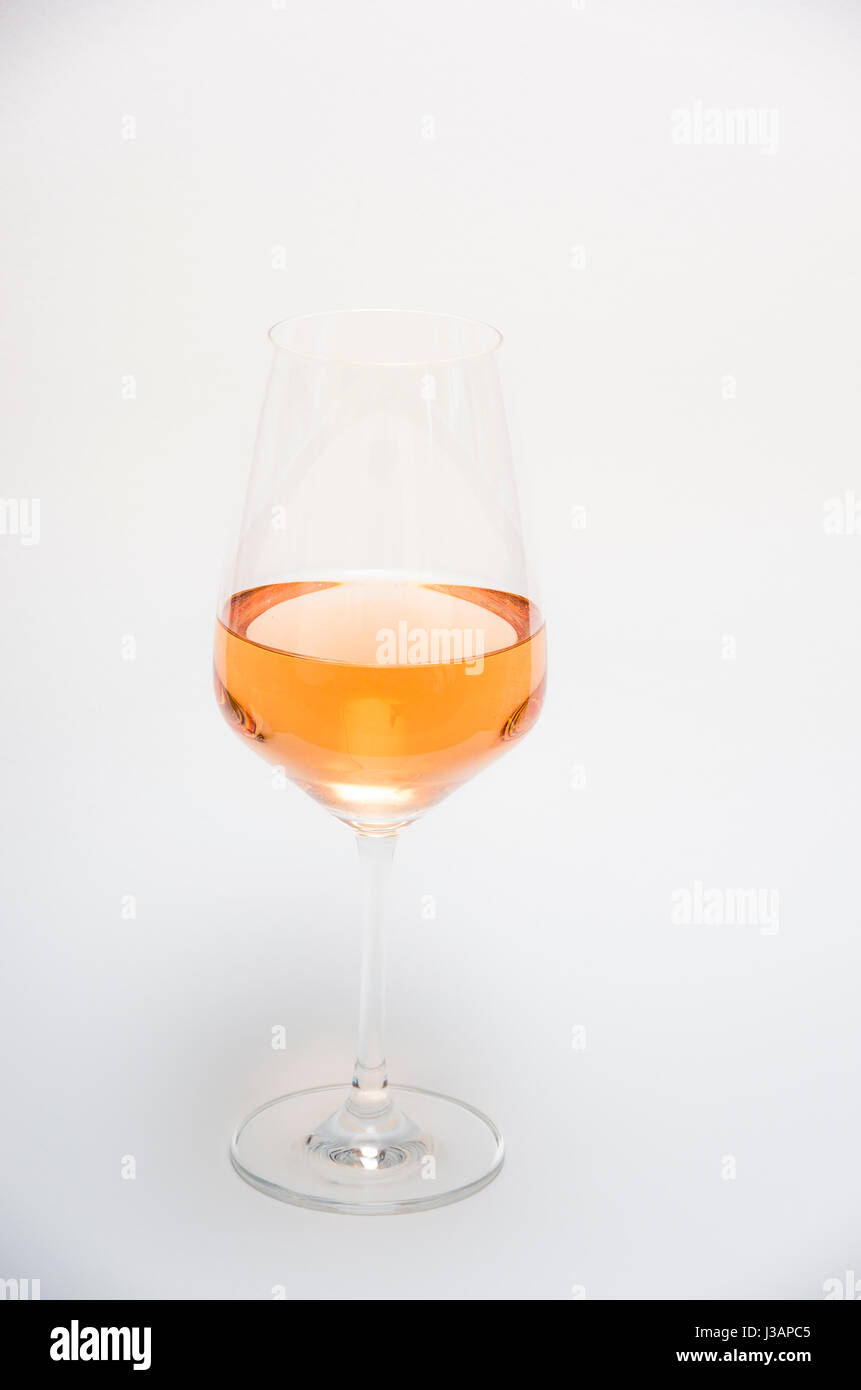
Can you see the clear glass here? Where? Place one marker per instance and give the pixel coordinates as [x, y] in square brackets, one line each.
[378, 639]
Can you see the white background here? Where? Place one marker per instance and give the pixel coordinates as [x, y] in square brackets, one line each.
[694, 386]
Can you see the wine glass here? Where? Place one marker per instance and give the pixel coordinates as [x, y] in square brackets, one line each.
[377, 639]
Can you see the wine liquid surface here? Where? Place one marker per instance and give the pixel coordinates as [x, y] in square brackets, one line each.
[379, 697]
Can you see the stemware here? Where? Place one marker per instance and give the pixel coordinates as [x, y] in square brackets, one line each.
[378, 638]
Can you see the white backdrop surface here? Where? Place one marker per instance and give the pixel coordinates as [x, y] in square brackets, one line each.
[680, 1102]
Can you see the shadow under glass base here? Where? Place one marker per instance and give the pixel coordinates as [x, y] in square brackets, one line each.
[421, 1150]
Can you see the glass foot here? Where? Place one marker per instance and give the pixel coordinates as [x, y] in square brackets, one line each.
[419, 1150]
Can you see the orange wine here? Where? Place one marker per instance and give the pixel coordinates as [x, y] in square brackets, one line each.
[379, 697]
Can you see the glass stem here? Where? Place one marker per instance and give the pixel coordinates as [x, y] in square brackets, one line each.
[369, 1095]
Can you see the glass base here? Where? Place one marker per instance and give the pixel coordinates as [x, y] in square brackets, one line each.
[419, 1150]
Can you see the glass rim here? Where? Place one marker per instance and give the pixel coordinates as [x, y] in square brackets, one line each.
[495, 338]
